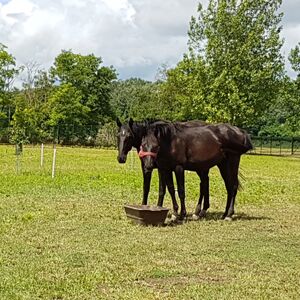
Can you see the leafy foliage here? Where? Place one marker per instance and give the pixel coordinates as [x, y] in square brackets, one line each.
[136, 98]
[294, 59]
[74, 93]
[85, 73]
[8, 71]
[233, 68]
[183, 94]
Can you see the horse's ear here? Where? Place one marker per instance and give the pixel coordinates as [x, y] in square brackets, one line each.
[118, 122]
[130, 122]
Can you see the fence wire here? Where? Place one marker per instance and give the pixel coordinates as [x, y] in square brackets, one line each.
[276, 145]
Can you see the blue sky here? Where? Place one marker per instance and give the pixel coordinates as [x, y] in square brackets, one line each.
[135, 36]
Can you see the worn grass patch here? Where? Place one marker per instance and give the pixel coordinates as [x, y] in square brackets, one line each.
[68, 237]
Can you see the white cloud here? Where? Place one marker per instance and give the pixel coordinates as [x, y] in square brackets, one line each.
[135, 36]
[291, 35]
[15, 11]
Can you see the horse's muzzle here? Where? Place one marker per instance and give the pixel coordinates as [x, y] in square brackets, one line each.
[122, 159]
[149, 163]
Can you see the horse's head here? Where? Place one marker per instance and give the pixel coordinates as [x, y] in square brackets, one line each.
[125, 140]
[149, 150]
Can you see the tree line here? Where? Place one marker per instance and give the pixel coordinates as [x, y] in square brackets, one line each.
[232, 72]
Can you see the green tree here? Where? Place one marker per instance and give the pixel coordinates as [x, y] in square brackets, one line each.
[8, 72]
[183, 94]
[294, 59]
[293, 101]
[282, 118]
[31, 106]
[235, 49]
[66, 112]
[136, 98]
[93, 81]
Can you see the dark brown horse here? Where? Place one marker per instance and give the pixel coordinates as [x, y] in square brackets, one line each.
[130, 135]
[178, 148]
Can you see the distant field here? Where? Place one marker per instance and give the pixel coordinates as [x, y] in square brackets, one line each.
[68, 237]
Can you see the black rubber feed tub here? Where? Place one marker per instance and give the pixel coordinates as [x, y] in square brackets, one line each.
[146, 214]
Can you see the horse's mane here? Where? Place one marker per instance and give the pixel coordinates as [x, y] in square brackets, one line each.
[144, 123]
[163, 129]
[140, 129]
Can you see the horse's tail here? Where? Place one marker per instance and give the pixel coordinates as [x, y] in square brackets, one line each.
[241, 179]
[245, 145]
[234, 139]
[240, 146]
[247, 142]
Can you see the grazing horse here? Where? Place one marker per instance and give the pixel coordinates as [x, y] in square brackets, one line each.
[172, 147]
[130, 135]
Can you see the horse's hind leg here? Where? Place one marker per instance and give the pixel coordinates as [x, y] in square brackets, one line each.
[229, 171]
[204, 193]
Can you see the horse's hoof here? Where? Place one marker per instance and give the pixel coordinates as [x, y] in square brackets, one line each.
[182, 217]
[174, 218]
[228, 219]
[195, 217]
[202, 213]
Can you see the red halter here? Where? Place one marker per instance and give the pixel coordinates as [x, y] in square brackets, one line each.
[143, 153]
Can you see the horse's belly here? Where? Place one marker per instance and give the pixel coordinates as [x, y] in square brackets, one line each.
[204, 160]
[202, 165]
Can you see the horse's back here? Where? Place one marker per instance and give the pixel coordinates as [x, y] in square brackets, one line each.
[232, 138]
[196, 146]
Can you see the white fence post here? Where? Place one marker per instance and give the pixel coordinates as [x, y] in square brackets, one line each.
[19, 151]
[42, 155]
[53, 161]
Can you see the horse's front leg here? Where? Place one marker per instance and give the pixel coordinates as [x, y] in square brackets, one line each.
[146, 184]
[162, 188]
[179, 172]
[168, 178]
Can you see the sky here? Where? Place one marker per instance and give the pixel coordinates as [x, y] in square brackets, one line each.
[136, 37]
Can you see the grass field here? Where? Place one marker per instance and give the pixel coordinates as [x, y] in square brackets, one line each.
[68, 237]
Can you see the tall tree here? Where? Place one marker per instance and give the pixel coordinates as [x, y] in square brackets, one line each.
[294, 59]
[67, 114]
[237, 45]
[183, 93]
[8, 72]
[87, 76]
[136, 98]
[293, 101]
[31, 113]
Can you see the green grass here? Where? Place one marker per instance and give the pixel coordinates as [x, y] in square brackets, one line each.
[68, 237]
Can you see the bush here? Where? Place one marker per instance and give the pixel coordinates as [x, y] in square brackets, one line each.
[106, 136]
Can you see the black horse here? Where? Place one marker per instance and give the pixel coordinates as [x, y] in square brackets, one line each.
[130, 135]
[172, 147]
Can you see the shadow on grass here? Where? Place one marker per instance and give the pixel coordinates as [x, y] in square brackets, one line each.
[216, 216]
